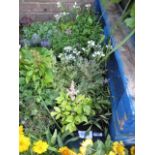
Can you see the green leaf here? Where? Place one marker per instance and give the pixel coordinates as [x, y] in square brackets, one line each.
[34, 112]
[70, 127]
[77, 119]
[54, 137]
[115, 1]
[69, 119]
[71, 140]
[53, 149]
[57, 109]
[28, 76]
[87, 109]
[130, 22]
[60, 143]
[99, 147]
[83, 118]
[53, 113]
[68, 107]
[90, 21]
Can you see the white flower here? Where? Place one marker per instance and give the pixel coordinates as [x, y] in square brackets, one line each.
[91, 43]
[68, 48]
[57, 17]
[93, 55]
[60, 55]
[103, 55]
[75, 6]
[78, 53]
[88, 5]
[59, 5]
[60, 15]
[65, 13]
[74, 50]
[83, 49]
[72, 92]
[98, 54]
[109, 46]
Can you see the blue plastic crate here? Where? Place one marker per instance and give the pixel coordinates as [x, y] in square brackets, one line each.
[122, 125]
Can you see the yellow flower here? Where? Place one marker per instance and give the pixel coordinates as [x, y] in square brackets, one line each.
[132, 150]
[66, 151]
[21, 130]
[24, 143]
[84, 145]
[83, 150]
[87, 142]
[111, 153]
[40, 147]
[118, 148]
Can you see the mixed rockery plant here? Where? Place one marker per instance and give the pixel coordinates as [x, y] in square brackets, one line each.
[63, 85]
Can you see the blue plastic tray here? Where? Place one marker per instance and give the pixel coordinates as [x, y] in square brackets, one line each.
[122, 125]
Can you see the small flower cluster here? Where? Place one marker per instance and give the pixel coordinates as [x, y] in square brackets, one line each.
[98, 54]
[38, 147]
[98, 50]
[76, 6]
[59, 5]
[60, 15]
[88, 6]
[70, 54]
[91, 43]
[72, 92]
[109, 47]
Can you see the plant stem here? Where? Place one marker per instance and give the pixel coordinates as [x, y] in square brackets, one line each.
[121, 43]
[51, 116]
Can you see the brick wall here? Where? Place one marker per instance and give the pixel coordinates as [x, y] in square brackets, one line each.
[42, 10]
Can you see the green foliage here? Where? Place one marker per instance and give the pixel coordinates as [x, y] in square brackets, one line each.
[88, 76]
[44, 30]
[72, 112]
[35, 86]
[44, 74]
[99, 147]
[75, 31]
[130, 21]
[59, 139]
[82, 29]
[36, 73]
[115, 1]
